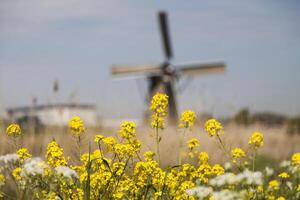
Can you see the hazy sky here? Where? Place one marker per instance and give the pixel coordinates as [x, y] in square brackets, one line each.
[76, 41]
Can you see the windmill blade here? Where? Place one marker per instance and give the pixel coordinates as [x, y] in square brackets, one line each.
[165, 36]
[136, 70]
[201, 69]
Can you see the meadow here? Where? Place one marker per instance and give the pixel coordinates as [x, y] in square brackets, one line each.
[190, 161]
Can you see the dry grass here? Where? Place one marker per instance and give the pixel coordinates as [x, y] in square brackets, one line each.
[278, 145]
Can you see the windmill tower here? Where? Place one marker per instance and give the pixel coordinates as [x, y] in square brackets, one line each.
[162, 77]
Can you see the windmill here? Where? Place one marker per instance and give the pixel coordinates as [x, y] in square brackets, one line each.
[162, 77]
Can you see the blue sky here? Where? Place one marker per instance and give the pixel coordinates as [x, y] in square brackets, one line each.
[77, 41]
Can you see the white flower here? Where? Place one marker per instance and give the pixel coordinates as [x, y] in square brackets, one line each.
[285, 163]
[200, 192]
[226, 178]
[66, 172]
[227, 195]
[269, 171]
[9, 158]
[250, 178]
[33, 166]
[227, 166]
[290, 185]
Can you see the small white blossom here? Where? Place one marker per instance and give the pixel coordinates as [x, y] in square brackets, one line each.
[66, 172]
[227, 166]
[285, 163]
[9, 158]
[200, 192]
[227, 195]
[269, 171]
[33, 166]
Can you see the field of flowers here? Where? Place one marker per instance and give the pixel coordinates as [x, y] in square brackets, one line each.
[116, 168]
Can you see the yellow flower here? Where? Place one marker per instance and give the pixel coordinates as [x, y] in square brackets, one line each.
[148, 155]
[238, 153]
[17, 173]
[217, 169]
[124, 150]
[109, 142]
[13, 130]
[159, 105]
[157, 195]
[296, 159]
[192, 143]
[98, 138]
[23, 154]
[203, 157]
[213, 127]
[274, 185]
[298, 188]
[127, 130]
[2, 179]
[284, 175]
[187, 119]
[256, 140]
[281, 198]
[260, 188]
[76, 126]
[54, 155]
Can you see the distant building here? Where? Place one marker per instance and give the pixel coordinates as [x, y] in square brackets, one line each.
[54, 114]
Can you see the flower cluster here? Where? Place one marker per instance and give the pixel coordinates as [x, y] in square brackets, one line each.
[213, 127]
[13, 130]
[127, 130]
[114, 169]
[76, 126]
[187, 119]
[256, 140]
[159, 106]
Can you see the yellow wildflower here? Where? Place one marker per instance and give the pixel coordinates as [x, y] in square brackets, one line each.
[203, 157]
[13, 130]
[217, 169]
[237, 153]
[23, 154]
[296, 159]
[192, 143]
[260, 188]
[298, 188]
[274, 185]
[109, 142]
[54, 155]
[284, 175]
[76, 126]
[256, 140]
[127, 130]
[2, 179]
[281, 198]
[187, 119]
[213, 127]
[17, 173]
[157, 195]
[98, 138]
[124, 150]
[159, 105]
[148, 155]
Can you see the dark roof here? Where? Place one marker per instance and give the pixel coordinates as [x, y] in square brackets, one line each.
[50, 106]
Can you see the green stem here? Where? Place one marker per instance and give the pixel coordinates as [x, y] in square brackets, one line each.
[157, 146]
[181, 138]
[253, 161]
[79, 147]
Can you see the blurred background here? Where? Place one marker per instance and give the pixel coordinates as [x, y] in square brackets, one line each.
[56, 59]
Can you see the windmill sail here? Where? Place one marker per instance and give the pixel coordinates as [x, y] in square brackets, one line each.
[201, 69]
[165, 36]
[136, 70]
